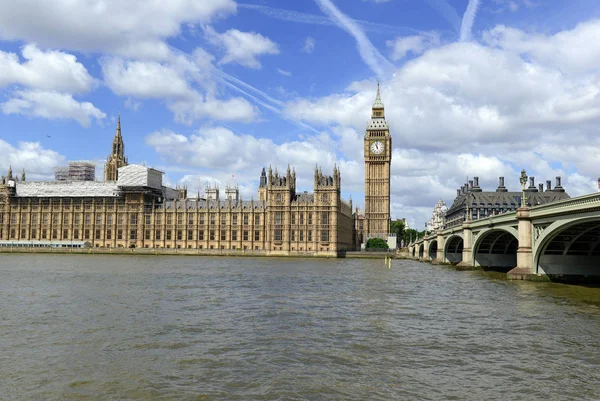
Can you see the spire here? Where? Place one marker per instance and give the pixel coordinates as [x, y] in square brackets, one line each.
[23, 176]
[10, 176]
[378, 103]
[118, 134]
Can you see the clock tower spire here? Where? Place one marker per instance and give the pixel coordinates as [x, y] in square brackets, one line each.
[378, 158]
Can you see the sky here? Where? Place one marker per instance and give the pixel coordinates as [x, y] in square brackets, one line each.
[211, 91]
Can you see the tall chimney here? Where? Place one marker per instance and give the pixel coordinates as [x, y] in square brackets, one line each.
[599, 184]
[541, 187]
[548, 185]
[476, 181]
[532, 187]
[501, 187]
[458, 192]
[470, 185]
[558, 187]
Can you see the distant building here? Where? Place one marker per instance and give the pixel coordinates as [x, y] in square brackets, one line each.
[438, 217]
[136, 210]
[482, 204]
[76, 171]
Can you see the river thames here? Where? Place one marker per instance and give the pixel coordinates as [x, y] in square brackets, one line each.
[188, 328]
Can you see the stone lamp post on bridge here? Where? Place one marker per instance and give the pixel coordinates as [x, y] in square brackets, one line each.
[524, 251]
[523, 181]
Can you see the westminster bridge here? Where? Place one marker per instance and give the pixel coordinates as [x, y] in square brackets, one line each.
[559, 240]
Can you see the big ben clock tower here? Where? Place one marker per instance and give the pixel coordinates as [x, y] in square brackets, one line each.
[378, 157]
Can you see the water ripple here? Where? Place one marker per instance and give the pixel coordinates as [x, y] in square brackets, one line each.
[164, 328]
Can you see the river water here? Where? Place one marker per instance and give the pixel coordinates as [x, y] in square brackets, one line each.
[188, 328]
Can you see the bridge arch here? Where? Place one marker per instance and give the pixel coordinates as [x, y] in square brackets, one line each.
[569, 249]
[433, 248]
[453, 249]
[421, 250]
[496, 248]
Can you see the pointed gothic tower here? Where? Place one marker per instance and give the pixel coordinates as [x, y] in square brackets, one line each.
[117, 157]
[378, 158]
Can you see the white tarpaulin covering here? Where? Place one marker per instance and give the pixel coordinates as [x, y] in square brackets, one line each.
[135, 175]
[67, 189]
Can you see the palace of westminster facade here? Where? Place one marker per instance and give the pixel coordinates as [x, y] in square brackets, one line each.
[131, 208]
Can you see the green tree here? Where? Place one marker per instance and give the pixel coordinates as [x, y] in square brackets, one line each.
[376, 243]
[397, 227]
[413, 234]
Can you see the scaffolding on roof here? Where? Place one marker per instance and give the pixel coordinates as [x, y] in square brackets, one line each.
[76, 171]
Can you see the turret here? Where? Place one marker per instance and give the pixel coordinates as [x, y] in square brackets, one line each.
[263, 178]
[10, 173]
[23, 176]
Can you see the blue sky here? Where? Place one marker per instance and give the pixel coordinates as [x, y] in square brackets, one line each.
[211, 91]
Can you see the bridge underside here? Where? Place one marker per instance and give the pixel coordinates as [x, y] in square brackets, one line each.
[573, 254]
[454, 250]
[497, 251]
[421, 251]
[433, 247]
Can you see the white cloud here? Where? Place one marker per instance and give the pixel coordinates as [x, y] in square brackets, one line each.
[369, 53]
[45, 70]
[37, 161]
[284, 72]
[132, 104]
[416, 45]
[51, 105]
[513, 5]
[241, 47]
[145, 79]
[125, 27]
[572, 51]
[175, 82]
[468, 20]
[212, 148]
[309, 45]
[517, 100]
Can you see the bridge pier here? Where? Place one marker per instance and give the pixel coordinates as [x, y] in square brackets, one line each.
[425, 249]
[467, 256]
[525, 270]
[439, 259]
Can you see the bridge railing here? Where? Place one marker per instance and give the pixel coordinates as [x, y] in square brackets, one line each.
[580, 203]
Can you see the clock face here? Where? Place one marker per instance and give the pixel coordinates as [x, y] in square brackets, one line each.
[377, 147]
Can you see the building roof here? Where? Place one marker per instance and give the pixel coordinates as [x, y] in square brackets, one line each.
[72, 189]
[377, 124]
[305, 197]
[485, 199]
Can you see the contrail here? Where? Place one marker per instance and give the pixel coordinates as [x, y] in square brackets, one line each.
[305, 18]
[370, 55]
[468, 20]
[236, 84]
[447, 12]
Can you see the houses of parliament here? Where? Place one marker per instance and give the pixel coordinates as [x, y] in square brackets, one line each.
[132, 208]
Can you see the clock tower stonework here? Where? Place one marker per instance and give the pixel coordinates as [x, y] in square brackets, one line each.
[378, 157]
